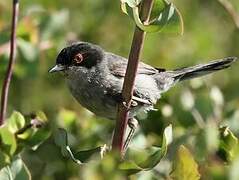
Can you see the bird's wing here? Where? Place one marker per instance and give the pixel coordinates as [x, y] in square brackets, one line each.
[117, 66]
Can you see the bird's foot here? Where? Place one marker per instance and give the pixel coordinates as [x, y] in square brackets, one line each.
[133, 104]
[103, 150]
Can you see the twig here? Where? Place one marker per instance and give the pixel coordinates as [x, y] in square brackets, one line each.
[128, 86]
[231, 10]
[22, 130]
[198, 118]
[7, 80]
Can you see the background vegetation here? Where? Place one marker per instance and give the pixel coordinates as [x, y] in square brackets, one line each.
[195, 109]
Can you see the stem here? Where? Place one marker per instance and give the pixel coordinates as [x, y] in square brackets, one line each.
[22, 130]
[12, 58]
[128, 86]
[231, 10]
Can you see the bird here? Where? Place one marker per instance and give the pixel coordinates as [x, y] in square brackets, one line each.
[95, 78]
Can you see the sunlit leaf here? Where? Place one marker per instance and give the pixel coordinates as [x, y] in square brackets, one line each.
[41, 116]
[15, 122]
[228, 142]
[185, 166]
[8, 141]
[17, 170]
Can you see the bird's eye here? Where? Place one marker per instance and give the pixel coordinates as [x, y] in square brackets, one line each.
[78, 58]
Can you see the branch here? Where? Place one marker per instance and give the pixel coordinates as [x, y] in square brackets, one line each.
[128, 86]
[231, 10]
[12, 58]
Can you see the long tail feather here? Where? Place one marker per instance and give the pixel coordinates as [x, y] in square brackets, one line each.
[202, 69]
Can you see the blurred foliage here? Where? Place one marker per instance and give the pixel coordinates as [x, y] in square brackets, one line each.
[204, 112]
[17, 134]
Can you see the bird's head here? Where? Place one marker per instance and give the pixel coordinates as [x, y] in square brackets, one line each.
[80, 54]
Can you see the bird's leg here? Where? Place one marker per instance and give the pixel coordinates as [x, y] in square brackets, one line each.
[133, 124]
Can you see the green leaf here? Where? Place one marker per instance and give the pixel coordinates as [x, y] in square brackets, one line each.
[169, 20]
[8, 141]
[147, 159]
[157, 153]
[41, 116]
[129, 167]
[85, 155]
[17, 170]
[185, 166]
[165, 17]
[15, 122]
[36, 131]
[61, 140]
[60, 137]
[4, 159]
[157, 7]
[228, 143]
[37, 137]
[80, 157]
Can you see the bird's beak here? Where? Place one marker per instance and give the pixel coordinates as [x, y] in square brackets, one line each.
[57, 68]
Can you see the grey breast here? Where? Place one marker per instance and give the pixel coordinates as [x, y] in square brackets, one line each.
[90, 91]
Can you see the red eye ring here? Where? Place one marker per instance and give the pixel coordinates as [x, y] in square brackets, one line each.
[78, 58]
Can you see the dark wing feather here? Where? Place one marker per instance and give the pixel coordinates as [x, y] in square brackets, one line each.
[118, 65]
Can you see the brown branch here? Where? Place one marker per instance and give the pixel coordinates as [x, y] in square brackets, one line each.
[128, 86]
[231, 10]
[12, 57]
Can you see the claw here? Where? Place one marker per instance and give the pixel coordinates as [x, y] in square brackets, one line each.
[103, 150]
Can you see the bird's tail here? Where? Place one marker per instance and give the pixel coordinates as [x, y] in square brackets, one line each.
[202, 69]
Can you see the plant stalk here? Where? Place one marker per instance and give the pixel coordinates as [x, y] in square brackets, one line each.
[129, 81]
[12, 58]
